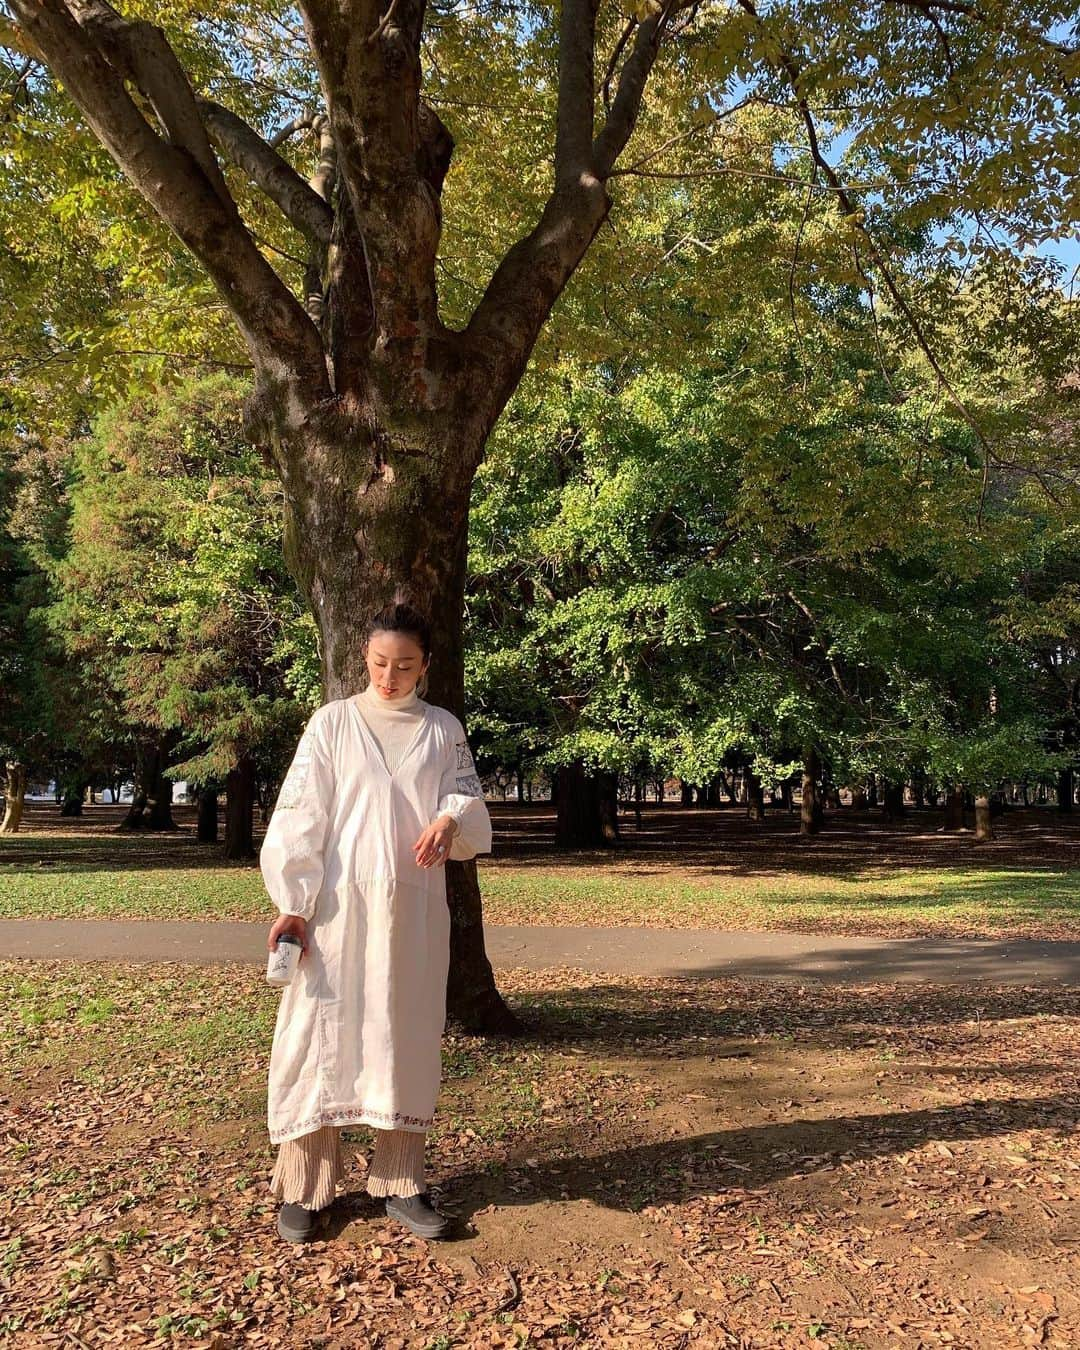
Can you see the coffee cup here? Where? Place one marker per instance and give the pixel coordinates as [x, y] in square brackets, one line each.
[283, 960]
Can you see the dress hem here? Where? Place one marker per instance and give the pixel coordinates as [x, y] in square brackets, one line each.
[379, 1120]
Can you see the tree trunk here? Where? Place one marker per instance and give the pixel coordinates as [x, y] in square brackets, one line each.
[755, 797]
[239, 804]
[811, 814]
[14, 796]
[686, 793]
[871, 790]
[151, 801]
[892, 799]
[207, 829]
[984, 830]
[585, 811]
[954, 808]
[607, 794]
[1065, 790]
[858, 797]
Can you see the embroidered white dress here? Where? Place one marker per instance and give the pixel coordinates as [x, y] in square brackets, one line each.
[359, 1029]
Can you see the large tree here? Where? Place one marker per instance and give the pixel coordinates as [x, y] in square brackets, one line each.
[374, 409]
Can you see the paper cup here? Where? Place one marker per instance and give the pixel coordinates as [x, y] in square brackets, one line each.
[283, 960]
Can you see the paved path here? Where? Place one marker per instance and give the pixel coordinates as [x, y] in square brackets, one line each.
[631, 951]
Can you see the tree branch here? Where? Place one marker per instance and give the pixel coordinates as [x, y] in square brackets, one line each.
[172, 179]
[140, 54]
[533, 273]
[574, 114]
[626, 105]
[301, 205]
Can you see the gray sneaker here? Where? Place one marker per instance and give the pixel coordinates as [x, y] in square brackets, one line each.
[417, 1213]
[297, 1224]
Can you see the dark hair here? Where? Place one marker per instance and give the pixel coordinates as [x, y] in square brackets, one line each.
[400, 617]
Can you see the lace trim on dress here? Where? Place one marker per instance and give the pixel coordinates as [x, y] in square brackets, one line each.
[361, 1116]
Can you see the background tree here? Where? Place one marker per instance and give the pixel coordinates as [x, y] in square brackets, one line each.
[173, 590]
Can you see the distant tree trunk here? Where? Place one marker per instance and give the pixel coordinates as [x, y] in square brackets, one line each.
[984, 830]
[1065, 790]
[207, 829]
[871, 790]
[892, 799]
[607, 795]
[14, 796]
[755, 797]
[586, 808]
[520, 776]
[639, 800]
[918, 789]
[858, 797]
[74, 796]
[239, 802]
[811, 813]
[786, 798]
[151, 801]
[686, 793]
[954, 807]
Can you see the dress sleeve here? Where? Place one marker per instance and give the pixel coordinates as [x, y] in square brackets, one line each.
[291, 857]
[462, 796]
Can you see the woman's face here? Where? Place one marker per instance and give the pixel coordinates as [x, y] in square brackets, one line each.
[395, 663]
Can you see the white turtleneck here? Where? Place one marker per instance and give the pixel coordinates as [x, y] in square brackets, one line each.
[392, 721]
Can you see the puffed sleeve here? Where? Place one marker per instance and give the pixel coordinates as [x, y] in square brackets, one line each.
[291, 857]
[462, 796]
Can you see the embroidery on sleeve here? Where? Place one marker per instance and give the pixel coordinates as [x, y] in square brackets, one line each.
[292, 789]
[468, 784]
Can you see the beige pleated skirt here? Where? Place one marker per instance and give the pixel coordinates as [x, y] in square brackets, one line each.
[308, 1169]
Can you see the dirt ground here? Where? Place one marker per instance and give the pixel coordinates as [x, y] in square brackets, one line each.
[657, 1163]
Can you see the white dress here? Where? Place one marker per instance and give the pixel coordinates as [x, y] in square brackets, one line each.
[359, 1029]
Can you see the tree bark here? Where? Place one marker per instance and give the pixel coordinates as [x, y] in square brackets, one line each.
[984, 829]
[755, 797]
[1065, 790]
[811, 814]
[239, 806]
[74, 796]
[14, 796]
[585, 817]
[954, 808]
[207, 829]
[151, 800]
[892, 799]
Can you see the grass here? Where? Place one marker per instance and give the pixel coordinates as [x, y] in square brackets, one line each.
[83, 878]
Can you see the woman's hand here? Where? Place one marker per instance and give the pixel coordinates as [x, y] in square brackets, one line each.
[438, 834]
[288, 923]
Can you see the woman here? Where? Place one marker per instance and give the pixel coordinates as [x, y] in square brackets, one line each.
[381, 791]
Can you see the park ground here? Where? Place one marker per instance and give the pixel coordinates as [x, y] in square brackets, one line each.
[658, 1162]
[681, 869]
